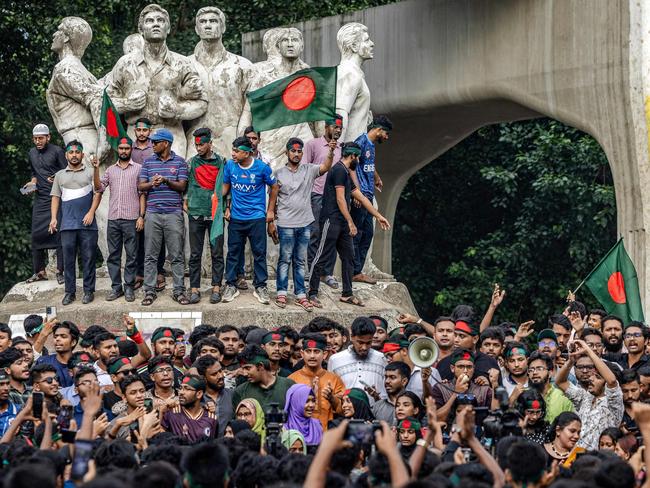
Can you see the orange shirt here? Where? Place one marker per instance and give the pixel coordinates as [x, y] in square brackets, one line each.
[324, 411]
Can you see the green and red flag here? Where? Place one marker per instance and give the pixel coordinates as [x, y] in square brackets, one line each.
[305, 96]
[615, 285]
[217, 208]
[111, 129]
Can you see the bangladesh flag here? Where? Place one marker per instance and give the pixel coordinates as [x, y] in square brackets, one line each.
[110, 125]
[614, 283]
[305, 96]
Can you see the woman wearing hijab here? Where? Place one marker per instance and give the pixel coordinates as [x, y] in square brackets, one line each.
[355, 405]
[300, 405]
[250, 411]
[235, 426]
[294, 441]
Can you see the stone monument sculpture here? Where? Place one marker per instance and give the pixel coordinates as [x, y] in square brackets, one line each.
[224, 81]
[289, 44]
[157, 83]
[131, 43]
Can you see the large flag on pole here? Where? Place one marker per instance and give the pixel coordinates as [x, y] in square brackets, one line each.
[614, 283]
[305, 96]
[110, 125]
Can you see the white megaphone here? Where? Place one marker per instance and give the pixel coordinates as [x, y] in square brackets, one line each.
[423, 351]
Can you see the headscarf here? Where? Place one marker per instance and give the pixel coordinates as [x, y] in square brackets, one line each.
[290, 436]
[260, 422]
[238, 425]
[360, 403]
[310, 428]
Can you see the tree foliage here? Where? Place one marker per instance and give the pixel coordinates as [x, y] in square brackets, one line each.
[529, 205]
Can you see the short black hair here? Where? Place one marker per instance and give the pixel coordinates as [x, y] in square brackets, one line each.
[71, 326]
[413, 329]
[463, 311]
[576, 306]
[74, 142]
[598, 311]
[144, 120]
[538, 356]
[212, 342]
[156, 361]
[528, 468]
[362, 326]
[349, 145]
[105, 336]
[38, 369]
[201, 331]
[250, 129]
[493, 332]
[514, 345]
[129, 380]
[629, 376]
[288, 332]
[443, 318]
[319, 324]
[90, 333]
[207, 464]
[401, 367]
[644, 371]
[295, 140]
[127, 347]
[587, 331]
[202, 131]
[383, 121]
[31, 322]
[241, 141]
[9, 356]
[559, 319]
[204, 363]
[252, 350]
[612, 317]
[228, 328]
[83, 371]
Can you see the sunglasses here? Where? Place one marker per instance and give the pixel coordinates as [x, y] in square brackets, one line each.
[49, 380]
[128, 372]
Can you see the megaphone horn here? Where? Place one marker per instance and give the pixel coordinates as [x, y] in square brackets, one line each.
[423, 351]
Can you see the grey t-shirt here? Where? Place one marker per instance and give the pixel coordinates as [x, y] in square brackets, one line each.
[294, 198]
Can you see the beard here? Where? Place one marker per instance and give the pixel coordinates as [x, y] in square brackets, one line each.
[613, 347]
[215, 386]
[124, 157]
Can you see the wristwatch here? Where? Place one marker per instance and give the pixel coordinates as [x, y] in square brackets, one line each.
[419, 321]
[421, 442]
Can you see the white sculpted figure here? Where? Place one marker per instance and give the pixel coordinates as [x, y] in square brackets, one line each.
[156, 82]
[289, 44]
[223, 77]
[352, 93]
[73, 95]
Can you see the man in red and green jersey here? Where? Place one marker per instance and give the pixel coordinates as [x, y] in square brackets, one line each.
[204, 172]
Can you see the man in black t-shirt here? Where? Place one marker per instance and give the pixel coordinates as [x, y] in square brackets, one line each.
[337, 227]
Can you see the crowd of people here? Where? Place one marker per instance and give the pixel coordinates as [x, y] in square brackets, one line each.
[329, 404]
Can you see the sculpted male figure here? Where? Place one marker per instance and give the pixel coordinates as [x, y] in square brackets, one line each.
[352, 93]
[223, 77]
[290, 45]
[157, 83]
[73, 95]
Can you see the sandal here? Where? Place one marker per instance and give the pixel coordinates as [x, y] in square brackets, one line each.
[180, 298]
[281, 301]
[148, 299]
[161, 283]
[37, 277]
[138, 283]
[315, 302]
[352, 300]
[195, 297]
[304, 303]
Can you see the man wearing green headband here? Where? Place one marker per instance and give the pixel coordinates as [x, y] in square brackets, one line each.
[205, 172]
[516, 362]
[72, 191]
[366, 178]
[295, 218]
[191, 421]
[337, 226]
[244, 188]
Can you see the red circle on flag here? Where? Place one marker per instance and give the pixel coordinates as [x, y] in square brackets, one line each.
[616, 287]
[299, 94]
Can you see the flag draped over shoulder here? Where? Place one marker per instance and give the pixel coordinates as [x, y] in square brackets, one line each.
[614, 283]
[110, 126]
[217, 208]
[305, 96]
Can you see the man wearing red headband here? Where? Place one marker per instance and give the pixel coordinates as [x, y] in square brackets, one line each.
[126, 208]
[294, 220]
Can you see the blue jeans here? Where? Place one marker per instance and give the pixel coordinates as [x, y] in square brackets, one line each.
[293, 251]
[238, 231]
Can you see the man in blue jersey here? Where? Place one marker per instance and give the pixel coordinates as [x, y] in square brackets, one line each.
[72, 190]
[164, 177]
[366, 178]
[244, 183]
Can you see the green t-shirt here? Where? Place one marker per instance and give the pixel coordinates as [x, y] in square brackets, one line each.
[556, 403]
[202, 176]
[275, 394]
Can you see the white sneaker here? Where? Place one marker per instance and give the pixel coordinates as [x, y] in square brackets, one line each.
[262, 295]
[229, 294]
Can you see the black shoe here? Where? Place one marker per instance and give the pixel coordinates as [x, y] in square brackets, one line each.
[241, 283]
[88, 297]
[215, 297]
[195, 297]
[68, 298]
[114, 295]
[129, 294]
[60, 278]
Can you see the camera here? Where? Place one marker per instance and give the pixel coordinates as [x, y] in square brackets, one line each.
[360, 432]
[503, 421]
[275, 419]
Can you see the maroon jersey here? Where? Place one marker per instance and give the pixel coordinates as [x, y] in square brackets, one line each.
[180, 423]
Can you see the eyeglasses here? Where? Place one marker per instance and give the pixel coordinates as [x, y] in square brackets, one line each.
[128, 372]
[633, 335]
[547, 344]
[163, 371]
[537, 369]
[595, 345]
[49, 380]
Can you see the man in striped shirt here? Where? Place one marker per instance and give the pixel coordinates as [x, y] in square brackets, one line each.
[125, 218]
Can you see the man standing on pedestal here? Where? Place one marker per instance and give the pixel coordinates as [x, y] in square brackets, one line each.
[72, 191]
[45, 160]
[125, 218]
[203, 174]
[164, 178]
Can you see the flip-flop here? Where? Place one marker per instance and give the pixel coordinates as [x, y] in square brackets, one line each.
[352, 300]
[161, 284]
[315, 302]
[304, 303]
[181, 299]
[148, 300]
[36, 277]
[281, 301]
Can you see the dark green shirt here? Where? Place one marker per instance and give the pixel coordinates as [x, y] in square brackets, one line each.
[275, 394]
[202, 175]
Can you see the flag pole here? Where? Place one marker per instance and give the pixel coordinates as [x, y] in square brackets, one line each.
[596, 267]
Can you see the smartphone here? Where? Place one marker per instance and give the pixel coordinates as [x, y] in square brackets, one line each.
[68, 436]
[148, 404]
[50, 313]
[64, 417]
[467, 454]
[37, 404]
[82, 454]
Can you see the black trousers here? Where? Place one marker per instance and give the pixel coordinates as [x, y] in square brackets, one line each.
[121, 233]
[39, 259]
[86, 242]
[199, 227]
[335, 237]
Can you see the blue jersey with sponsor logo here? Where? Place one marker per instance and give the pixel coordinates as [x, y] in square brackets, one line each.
[366, 167]
[247, 187]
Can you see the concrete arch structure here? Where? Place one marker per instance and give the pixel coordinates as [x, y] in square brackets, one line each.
[444, 68]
